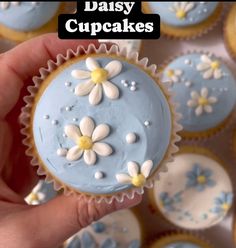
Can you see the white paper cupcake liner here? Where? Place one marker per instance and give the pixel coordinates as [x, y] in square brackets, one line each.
[26, 120]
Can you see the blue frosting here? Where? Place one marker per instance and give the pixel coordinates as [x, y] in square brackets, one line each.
[224, 89]
[98, 227]
[27, 16]
[182, 245]
[124, 115]
[200, 12]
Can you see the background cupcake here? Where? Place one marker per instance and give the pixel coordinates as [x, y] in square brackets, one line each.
[185, 20]
[205, 89]
[196, 193]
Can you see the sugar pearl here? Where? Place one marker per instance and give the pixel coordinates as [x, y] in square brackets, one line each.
[133, 88]
[131, 138]
[61, 152]
[147, 123]
[54, 122]
[68, 108]
[67, 84]
[123, 81]
[126, 85]
[46, 117]
[133, 83]
[98, 175]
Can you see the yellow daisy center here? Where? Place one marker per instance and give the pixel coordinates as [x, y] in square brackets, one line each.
[203, 101]
[138, 180]
[225, 206]
[181, 14]
[215, 64]
[34, 197]
[201, 179]
[85, 143]
[170, 73]
[99, 75]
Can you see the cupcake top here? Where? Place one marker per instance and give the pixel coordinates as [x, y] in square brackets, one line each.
[204, 87]
[101, 124]
[196, 193]
[183, 14]
[119, 230]
[27, 16]
[179, 241]
[41, 193]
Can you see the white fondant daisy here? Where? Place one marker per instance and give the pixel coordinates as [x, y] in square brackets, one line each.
[35, 197]
[86, 137]
[173, 75]
[211, 68]
[201, 102]
[97, 80]
[135, 177]
[181, 9]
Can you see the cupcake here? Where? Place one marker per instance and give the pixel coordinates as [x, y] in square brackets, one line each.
[119, 229]
[205, 89]
[184, 20]
[196, 193]
[181, 240]
[100, 123]
[41, 193]
[230, 31]
[20, 21]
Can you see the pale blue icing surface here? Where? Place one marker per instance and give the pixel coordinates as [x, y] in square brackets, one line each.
[27, 16]
[124, 115]
[224, 89]
[182, 244]
[200, 12]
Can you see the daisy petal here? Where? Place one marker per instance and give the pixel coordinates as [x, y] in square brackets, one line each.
[80, 74]
[178, 72]
[72, 132]
[175, 79]
[204, 92]
[199, 110]
[110, 90]
[123, 178]
[182, 5]
[208, 74]
[212, 100]
[206, 59]
[146, 168]
[102, 149]
[133, 169]
[95, 95]
[113, 68]
[84, 88]
[208, 109]
[92, 64]
[195, 95]
[203, 66]
[86, 126]
[217, 74]
[89, 157]
[74, 153]
[189, 6]
[100, 132]
[192, 103]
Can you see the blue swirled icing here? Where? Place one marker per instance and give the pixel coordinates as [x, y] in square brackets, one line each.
[200, 12]
[182, 245]
[124, 115]
[27, 16]
[224, 89]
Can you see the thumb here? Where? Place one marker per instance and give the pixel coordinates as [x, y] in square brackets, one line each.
[48, 225]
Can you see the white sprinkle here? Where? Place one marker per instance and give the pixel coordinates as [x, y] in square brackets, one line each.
[133, 83]
[205, 10]
[187, 62]
[126, 85]
[131, 138]
[68, 84]
[72, 90]
[64, 135]
[75, 119]
[54, 122]
[46, 117]
[61, 152]
[123, 81]
[147, 123]
[98, 175]
[68, 108]
[133, 88]
[188, 83]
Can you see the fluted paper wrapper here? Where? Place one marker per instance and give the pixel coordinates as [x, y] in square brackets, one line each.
[26, 120]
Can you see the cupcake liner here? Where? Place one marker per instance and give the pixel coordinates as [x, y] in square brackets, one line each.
[26, 120]
[221, 128]
[207, 29]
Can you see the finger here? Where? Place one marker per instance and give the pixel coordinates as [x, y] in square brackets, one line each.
[59, 219]
[24, 61]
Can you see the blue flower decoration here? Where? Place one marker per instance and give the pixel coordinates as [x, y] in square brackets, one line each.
[167, 202]
[200, 178]
[223, 203]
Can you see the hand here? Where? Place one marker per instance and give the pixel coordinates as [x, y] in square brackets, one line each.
[49, 224]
